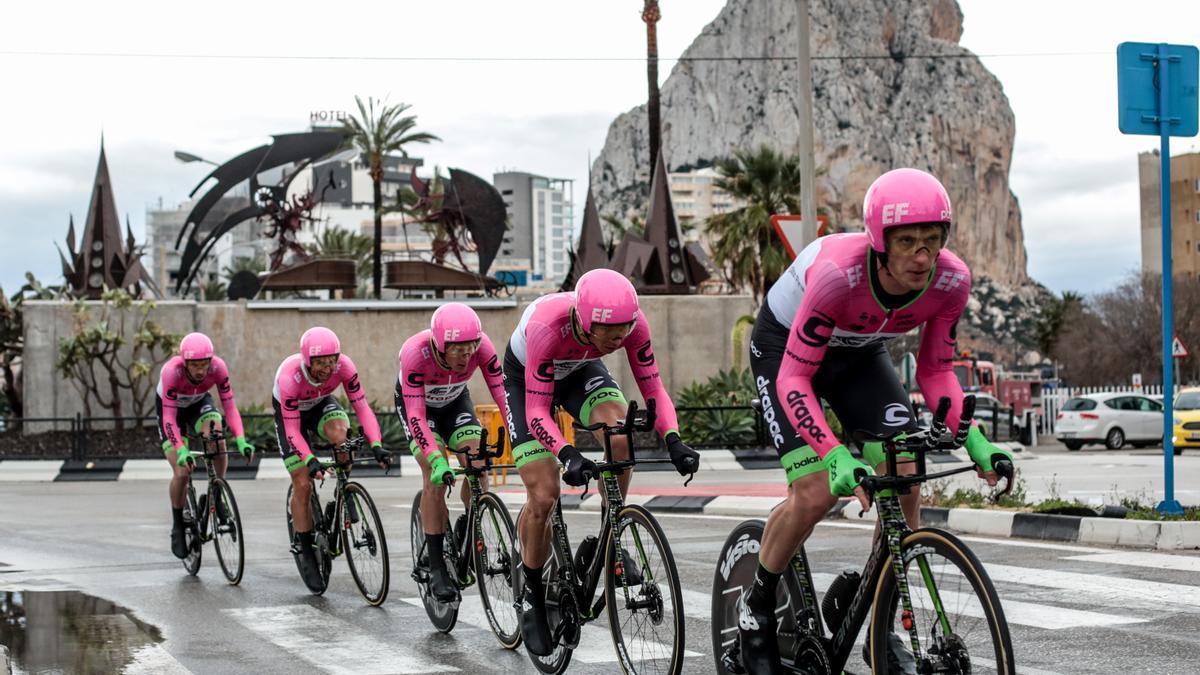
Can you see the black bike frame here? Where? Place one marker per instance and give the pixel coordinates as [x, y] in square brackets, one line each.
[893, 529]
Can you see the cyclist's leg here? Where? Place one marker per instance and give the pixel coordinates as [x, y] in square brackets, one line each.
[540, 473]
[538, 468]
[177, 488]
[591, 395]
[334, 424]
[459, 415]
[808, 497]
[208, 414]
[297, 470]
[866, 394]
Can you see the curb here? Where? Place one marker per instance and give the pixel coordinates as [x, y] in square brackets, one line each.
[1152, 534]
[5, 664]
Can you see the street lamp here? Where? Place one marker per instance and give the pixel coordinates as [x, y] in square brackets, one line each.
[187, 158]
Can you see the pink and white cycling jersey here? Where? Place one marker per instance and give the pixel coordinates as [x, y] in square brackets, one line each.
[296, 393]
[545, 343]
[826, 299]
[425, 383]
[176, 390]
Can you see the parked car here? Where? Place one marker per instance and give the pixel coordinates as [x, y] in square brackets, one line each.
[1111, 419]
[1186, 425]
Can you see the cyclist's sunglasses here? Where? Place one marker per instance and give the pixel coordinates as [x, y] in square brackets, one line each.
[611, 331]
[909, 243]
[462, 348]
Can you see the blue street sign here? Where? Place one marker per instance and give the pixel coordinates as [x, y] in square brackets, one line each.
[1138, 91]
[1156, 95]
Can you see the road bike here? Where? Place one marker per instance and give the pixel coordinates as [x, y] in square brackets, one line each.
[478, 549]
[348, 524]
[925, 589]
[214, 516]
[631, 554]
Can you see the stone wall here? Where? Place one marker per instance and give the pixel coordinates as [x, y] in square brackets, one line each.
[692, 336]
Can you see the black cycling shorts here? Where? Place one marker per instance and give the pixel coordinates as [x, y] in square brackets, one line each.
[312, 424]
[452, 424]
[577, 393]
[186, 419]
[859, 384]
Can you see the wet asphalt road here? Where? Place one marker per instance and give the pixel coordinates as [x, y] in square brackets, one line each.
[1072, 609]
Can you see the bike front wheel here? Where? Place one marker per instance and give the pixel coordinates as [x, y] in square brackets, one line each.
[491, 536]
[642, 593]
[443, 615]
[191, 533]
[953, 622]
[364, 543]
[227, 531]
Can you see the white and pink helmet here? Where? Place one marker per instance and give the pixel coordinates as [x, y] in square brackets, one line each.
[454, 322]
[903, 197]
[604, 296]
[318, 341]
[195, 347]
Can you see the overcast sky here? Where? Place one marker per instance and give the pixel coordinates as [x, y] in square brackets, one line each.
[1074, 173]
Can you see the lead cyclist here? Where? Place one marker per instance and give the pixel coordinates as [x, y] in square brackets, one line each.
[822, 334]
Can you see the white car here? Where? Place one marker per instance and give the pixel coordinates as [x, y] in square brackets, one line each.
[1111, 419]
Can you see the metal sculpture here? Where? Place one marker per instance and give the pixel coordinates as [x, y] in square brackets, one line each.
[467, 213]
[268, 198]
[102, 259]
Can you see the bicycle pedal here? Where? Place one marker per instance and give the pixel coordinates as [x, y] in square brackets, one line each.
[420, 576]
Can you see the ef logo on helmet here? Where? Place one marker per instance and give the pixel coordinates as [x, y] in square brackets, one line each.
[451, 334]
[601, 315]
[893, 214]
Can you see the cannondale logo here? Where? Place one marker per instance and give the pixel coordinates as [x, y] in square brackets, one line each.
[592, 384]
[463, 419]
[895, 415]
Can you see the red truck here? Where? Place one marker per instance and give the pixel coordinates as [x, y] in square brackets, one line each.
[1020, 391]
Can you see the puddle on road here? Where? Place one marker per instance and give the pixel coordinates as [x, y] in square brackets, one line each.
[70, 632]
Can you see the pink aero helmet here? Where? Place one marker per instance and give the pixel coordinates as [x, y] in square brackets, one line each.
[195, 347]
[903, 197]
[604, 296]
[318, 341]
[454, 322]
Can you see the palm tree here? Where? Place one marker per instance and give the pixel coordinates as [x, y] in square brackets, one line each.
[745, 244]
[336, 242]
[377, 133]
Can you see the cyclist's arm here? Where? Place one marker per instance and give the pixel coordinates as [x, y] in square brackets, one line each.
[170, 412]
[289, 410]
[489, 363]
[358, 399]
[935, 359]
[233, 418]
[640, 353]
[827, 293]
[539, 385]
[412, 389]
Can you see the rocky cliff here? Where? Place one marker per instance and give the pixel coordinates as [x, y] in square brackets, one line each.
[891, 88]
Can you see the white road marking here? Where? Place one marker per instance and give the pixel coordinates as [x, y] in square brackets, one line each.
[296, 629]
[595, 646]
[1021, 613]
[1158, 561]
[1119, 590]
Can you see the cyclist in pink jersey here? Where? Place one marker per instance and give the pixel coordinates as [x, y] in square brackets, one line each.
[435, 408]
[182, 401]
[305, 409]
[821, 335]
[554, 357]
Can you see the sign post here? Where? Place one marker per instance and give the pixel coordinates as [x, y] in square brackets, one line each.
[1157, 96]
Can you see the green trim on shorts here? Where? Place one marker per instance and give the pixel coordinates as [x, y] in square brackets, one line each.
[211, 415]
[293, 462]
[327, 417]
[415, 449]
[801, 462]
[167, 447]
[529, 452]
[465, 434]
[602, 395]
[874, 455]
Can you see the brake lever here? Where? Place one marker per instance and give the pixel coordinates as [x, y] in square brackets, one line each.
[964, 421]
